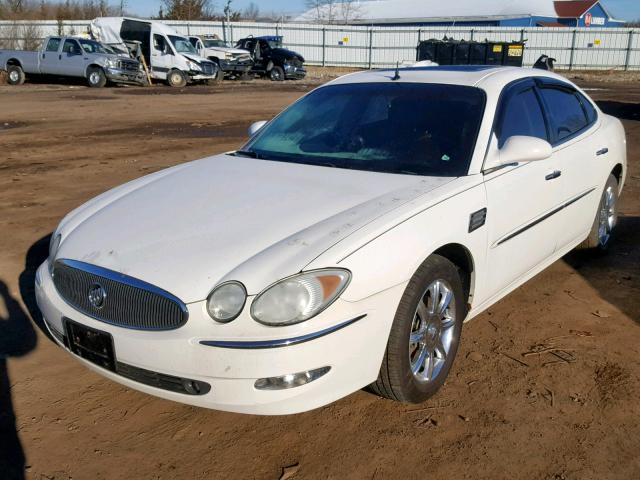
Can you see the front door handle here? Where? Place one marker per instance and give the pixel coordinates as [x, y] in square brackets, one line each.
[553, 175]
[602, 151]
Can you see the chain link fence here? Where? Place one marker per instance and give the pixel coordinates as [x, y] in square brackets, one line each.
[375, 47]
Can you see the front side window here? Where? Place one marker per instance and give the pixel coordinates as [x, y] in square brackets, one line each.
[565, 111]
[160, 44]
[404, 128]
[53, 45]
[71, 46]
[522, 115]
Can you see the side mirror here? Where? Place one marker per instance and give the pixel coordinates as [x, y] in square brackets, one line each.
[518, 149]
[256, 127]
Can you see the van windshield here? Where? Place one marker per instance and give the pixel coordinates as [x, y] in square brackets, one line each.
[406, 128]
[182, 45]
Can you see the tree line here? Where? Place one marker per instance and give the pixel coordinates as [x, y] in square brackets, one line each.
[170, 10]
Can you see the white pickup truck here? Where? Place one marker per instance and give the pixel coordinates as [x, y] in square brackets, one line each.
[72, 57]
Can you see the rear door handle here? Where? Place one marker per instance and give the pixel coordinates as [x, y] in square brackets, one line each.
[602, 151]
[553, 175]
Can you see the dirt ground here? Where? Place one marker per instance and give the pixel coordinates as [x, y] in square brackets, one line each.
[546, 383]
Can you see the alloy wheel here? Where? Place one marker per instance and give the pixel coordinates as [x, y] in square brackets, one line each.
[432, 332]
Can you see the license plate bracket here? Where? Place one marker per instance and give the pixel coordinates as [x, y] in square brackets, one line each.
[90, 344]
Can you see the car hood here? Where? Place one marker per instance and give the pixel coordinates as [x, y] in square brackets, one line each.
[283, 52]
[195, 58]
[234, 51]
[188, 228]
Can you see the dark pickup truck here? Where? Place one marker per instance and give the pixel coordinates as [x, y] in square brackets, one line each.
[273, 61]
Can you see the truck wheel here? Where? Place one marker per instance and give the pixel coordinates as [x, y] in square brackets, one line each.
[218, 78]
[15, 75]
[276, 74]
[425, 334]
[96, 77]
[177, 79]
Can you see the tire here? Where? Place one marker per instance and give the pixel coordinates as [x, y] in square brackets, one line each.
[604, 224]
[404, 376]
[96, 77]
[15, 75]
[176, 79]
[276, 74]
[219, 76]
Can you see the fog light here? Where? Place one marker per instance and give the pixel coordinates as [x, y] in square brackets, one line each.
[291, 380]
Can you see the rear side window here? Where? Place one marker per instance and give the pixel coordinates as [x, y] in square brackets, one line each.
[522, 115]
[565, 111]
[53, 44]
[592, 115]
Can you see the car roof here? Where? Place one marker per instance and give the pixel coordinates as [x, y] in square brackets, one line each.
[482, 76]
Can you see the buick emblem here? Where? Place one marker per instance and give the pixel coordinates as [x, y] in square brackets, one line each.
[97, 295]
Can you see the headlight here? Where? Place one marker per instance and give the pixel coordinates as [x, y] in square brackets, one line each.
[112, 63]
[298, 298]
[226, 301]
[229, 56]
[193, 66]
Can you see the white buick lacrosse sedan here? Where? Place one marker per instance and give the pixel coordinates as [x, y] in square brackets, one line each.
[343, 246]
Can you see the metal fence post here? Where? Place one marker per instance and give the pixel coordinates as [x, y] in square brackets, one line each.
[573, 49]
[370, 48]
[224, 31]
[627, 62]
[324, 46]
[472, 35]
[277, 29]
[231, 32]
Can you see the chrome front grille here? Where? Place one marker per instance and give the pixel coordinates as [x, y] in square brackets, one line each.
[117, 299]
[129, 65]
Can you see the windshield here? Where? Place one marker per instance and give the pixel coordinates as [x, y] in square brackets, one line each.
[182, 45]
[214, 43]
[407, 128]
[91, 46]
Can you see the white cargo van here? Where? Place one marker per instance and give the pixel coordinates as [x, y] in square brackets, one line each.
[169, 55]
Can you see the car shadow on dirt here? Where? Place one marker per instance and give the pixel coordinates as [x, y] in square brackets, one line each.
[616, 273]
[36, 254]
[621, 110]
[17, 338]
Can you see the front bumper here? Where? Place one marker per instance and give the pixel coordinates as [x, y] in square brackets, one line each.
[353, 352]
[118, 75]
[292, 72]
[232, 66]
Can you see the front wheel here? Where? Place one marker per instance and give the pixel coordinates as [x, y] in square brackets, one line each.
[606, 218]
[276, 74]
[425, 334]
[177, 79]
[15, 75]
[96, 78]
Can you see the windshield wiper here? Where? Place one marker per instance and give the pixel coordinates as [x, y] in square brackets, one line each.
[246, 153]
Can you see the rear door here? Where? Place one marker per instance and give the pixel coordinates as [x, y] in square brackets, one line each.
[49, 61]
[521, 198]
[578, 150]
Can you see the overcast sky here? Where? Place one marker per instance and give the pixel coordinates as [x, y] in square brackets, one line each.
[624, 9]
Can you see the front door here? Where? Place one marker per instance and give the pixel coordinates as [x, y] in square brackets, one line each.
[161, 56]
[72, 59]
[521, 198]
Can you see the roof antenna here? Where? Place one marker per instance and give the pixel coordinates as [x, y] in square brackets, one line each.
[397, 75]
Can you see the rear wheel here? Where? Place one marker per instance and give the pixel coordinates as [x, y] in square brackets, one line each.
[606, 218]
[425, 334]
[96, 77]
[176, 79]
[276, 74]
[15, 75]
